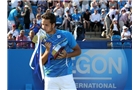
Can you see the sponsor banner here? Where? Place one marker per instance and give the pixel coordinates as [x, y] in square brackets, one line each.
[103, 69]
[98, 69]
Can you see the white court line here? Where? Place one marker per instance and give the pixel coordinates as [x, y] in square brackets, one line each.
[93, 78]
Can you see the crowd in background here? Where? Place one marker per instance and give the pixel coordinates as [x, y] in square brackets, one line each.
[114, 17]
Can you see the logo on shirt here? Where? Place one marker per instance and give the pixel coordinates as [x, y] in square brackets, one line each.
[58, 36]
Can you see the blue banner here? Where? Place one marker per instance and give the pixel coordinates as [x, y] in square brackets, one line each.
[94, 69]
[100, 69]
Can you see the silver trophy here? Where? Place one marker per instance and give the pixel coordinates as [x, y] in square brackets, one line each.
[42, 36]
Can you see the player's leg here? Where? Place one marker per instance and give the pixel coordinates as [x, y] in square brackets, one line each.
[50, 84]
[67, 82]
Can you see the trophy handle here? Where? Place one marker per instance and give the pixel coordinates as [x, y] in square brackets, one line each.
[41, 33]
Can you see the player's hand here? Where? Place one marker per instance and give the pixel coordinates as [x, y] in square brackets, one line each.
[62, 55]
[48, 46]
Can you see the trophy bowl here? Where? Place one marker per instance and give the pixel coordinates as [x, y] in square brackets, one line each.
[57, 50]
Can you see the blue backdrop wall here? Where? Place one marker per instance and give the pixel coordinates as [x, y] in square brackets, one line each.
[98, 69]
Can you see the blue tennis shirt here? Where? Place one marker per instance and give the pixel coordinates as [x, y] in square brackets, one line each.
[76, 17]
[60, 67]
[12, 15]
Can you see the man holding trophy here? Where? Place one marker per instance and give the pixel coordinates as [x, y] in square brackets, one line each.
[58, 46]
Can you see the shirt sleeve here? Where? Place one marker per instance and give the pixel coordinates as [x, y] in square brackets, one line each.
[15, 13]
[71, 41]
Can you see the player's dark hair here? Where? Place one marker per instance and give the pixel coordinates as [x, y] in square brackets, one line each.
[49, 16]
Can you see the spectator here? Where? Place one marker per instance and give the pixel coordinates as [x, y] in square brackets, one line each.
[75, 6]
[55, 3]
[116, 15]
[61, 3]
[32, 16]
[125, 34]
[113, 3]
[48, 11]
[50, 4]
[129, 4]
[39, 11]
[76, 18]
[67, 20]
[97, 1]
[13, 17]
[14, 32]
[103, 4]
[128, 23]
[107, 22]
[95, 19]
[27, 2]
[58, 10]
[33, 6]
[10, 44]
[112, 12]
[34, 26]
[15, 3]
[66, 3]
[114, 28]
[86, 20]
[123, 18]
[43, 4]
[76, 2]
[121, 4]
[103, 14]
[126, 7]
[85, 5]
[93, 6]
[70, 8]
[29, 38]
[96, 5]
[38, 19]
[130, 17]
[26, 16]
[20, 3]
[33, 2]
[21, 37]
[8, 7]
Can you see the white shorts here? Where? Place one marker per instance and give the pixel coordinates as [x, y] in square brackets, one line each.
[60, 83]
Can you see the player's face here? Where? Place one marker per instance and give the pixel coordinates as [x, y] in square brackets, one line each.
[47, 26]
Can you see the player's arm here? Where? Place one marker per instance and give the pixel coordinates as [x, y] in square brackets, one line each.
[44, 57]
[64, 54]
[46, 53]
[72, 44]
[76, 51]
